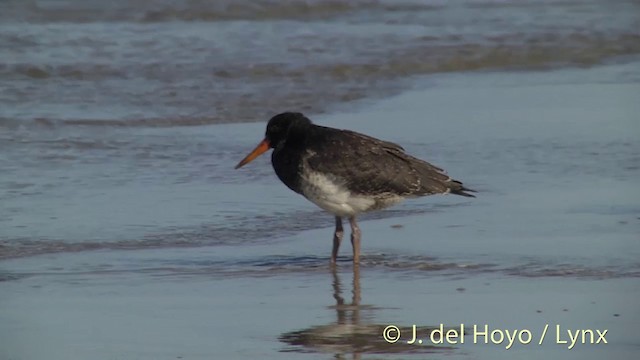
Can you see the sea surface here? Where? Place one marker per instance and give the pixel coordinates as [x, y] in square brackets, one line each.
[125, 232]
[172, 63]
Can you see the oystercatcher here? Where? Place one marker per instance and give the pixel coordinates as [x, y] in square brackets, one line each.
[347, 173]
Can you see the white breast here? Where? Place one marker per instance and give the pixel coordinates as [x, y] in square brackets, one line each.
[332, 195]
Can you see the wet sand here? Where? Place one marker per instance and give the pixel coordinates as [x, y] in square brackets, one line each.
[551, 239]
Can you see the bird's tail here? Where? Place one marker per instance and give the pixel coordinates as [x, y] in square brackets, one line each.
[456, 187]
[434, 180]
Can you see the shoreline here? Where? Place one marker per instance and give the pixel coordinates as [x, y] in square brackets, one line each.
[396, 87]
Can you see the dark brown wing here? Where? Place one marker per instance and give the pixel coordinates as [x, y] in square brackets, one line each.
[371, 166]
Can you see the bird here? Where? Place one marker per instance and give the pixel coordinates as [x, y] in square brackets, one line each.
[347, 173]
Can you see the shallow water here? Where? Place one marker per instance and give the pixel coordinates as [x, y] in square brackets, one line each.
[68, 190]
[339, 314]
[125, 232]
[164, 251]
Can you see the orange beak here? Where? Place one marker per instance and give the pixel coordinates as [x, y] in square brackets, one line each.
[259, 150]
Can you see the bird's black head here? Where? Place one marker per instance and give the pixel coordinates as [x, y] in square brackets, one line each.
[291, 127]
[281, 126]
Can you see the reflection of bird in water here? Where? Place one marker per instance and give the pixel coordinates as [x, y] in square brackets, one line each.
[354, 331]
[347, 314]
[347, 173]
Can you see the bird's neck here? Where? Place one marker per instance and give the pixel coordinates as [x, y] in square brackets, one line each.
[298, 135]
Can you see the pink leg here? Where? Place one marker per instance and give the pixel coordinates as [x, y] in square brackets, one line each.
[337, 238]
[355, 239]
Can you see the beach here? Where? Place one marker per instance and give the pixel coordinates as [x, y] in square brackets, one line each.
[126, 233]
